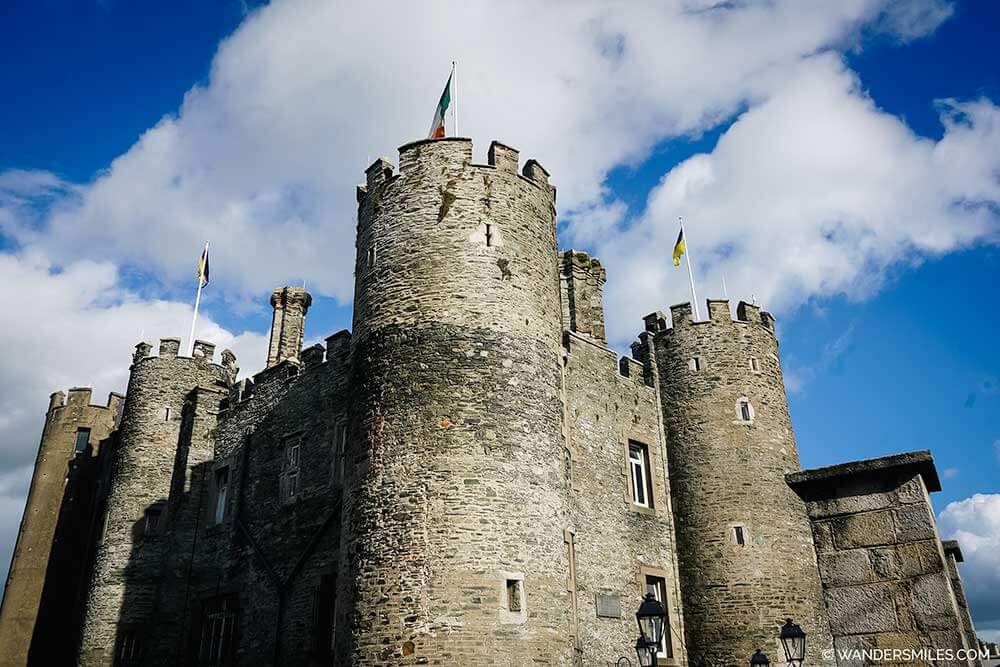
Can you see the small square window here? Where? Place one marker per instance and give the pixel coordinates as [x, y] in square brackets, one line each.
[694, 363]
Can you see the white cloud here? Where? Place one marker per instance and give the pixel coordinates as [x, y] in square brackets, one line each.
[813, 192]
[949, 473]
[263, 158]
[74, 327]
[975, 523]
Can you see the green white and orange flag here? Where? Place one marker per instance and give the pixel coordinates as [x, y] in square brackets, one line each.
[437, 126]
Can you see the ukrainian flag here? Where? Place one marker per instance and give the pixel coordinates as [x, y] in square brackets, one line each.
[679, 248]
[203, 266]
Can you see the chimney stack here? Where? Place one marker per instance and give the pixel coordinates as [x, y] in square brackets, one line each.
[290, 307]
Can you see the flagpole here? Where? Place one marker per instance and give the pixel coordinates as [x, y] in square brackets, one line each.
[197, 302]
[687, 254]
[454, 86]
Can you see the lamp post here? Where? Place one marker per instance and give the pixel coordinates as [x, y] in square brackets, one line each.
[793, 639]
[758, 659]
[651, 618]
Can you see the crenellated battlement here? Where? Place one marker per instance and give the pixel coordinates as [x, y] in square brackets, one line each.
[79, 397]
[169, 348]
[457, 154]
[718, 313]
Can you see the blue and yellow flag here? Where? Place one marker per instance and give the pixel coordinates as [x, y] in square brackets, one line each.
[203, 266]
[679, 248]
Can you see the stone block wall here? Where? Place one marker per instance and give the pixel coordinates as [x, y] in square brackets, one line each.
[615, 542]
[885, 579]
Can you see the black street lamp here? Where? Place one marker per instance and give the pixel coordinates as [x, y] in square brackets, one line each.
[793, 639]
[651, 617]
[758, 659]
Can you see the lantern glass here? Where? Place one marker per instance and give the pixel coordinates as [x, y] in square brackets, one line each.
[645, 651]
[793, 639]
[651, 617]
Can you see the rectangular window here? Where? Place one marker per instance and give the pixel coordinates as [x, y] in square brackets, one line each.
[325, 617]
[337, 455]
[218, 629]
[745, 411]
[638, 464]
[514, 595]
[82, 440]
[658, 587]
[489, 234]
[290, 478]
[370, 257]
[221, 493]
[154, 519]
[130, 645]
[754, 364]
[738, 535]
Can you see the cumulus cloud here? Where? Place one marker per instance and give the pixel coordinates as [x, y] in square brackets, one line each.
[263, 157]
[975, 523]
[813, 192]
[75, 327]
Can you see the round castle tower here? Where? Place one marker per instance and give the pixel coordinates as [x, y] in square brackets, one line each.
[745, 546]
[456, 516]
[152, 430]
[73, 427]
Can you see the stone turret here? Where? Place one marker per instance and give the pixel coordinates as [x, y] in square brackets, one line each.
[456, 508]
[288, 323]
[745, 546]
[157, 441]
[73, 428]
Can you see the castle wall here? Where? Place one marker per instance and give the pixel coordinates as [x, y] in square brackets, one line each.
[744, 543]
[885, 578]
[456, 492]
[154, 431]
[616, 543]
[953, 556]
[40, 554]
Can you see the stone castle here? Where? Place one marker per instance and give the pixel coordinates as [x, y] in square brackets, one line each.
[470, 476]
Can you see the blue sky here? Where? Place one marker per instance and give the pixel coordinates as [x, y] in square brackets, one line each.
[888, 345]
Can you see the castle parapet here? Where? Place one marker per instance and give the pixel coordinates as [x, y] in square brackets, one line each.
[718, 312]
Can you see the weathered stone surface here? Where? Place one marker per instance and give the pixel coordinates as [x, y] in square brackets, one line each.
[914, 522]
[863, 530]
[861, 609]
[845, 567]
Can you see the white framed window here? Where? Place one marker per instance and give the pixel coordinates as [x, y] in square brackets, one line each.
[755, 364]
[218, 628]
[739, 536]
[638, 468]
[370, 257]
[694, 363]
[658, 587]
[744, 410]
[221, 494]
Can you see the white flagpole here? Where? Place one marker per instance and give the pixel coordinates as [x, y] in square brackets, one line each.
[454, 90]
[197, 302]
[687, 254]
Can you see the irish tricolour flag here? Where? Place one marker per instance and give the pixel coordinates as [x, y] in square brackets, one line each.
[437, 127]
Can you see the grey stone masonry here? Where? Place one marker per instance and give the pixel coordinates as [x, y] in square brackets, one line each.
[744, 546]
[454, 509]
[886, 579]
[953, 556]
[581, 279]
[70, 420]
[288, 323]
[154, 431]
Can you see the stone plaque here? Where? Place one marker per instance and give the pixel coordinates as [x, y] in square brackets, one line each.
[609, 605]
